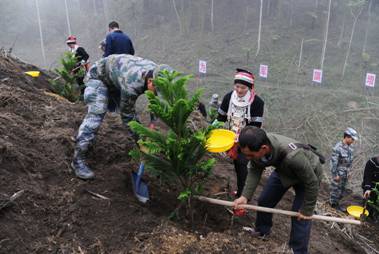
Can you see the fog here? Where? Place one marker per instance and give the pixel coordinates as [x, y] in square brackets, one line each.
[150, 23]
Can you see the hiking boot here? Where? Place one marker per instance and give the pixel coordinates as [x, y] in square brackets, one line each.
[81, 168]
[337, 207]
[256, 234]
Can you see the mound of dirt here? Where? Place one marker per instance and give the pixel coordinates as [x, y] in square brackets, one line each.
[59, 213]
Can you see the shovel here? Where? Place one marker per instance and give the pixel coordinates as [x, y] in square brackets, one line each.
[140, 188]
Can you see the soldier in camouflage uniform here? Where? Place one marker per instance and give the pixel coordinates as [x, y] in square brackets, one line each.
[112, 82]
[340, 166]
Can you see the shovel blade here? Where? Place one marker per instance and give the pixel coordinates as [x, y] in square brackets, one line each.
[140, 189]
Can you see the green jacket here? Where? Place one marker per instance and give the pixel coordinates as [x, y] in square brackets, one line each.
[299, 166]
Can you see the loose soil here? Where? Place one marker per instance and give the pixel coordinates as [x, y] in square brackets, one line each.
[57, 214]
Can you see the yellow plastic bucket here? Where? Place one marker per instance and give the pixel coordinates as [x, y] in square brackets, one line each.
[34, 74]
[220, 140]
[356, 211]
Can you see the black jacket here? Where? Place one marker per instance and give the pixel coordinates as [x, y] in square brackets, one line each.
[81, 54]
[371, 174]
[256, 110]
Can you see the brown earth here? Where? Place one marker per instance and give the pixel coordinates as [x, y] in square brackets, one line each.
[57, 214]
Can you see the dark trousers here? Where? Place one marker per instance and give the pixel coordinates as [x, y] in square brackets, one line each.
[240, 166]
[80, 82]
[373, 213]
[272, 193]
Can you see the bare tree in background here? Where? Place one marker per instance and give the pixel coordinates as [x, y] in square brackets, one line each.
[212, 11]
[177, 16]
[342, 32]
[356, 7]
[367, 26]
[325, 37]
[67, 17]
[259, 29]
[300, 55]
[41, 35]
[291, 13]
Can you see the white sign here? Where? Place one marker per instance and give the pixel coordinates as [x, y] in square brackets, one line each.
[263, 71]
[370, 79]
[317, 76]
[202, 66]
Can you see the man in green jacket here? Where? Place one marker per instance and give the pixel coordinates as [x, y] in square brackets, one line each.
[296, 165]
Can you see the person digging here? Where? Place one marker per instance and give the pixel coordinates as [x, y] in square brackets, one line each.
[296, 165]
[111, 83]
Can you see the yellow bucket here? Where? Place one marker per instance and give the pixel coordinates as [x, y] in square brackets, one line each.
[220, 140]
[34, 74]
[356, 211]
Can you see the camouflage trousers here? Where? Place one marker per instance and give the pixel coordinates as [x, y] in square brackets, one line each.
[96, 99]
[337, 188]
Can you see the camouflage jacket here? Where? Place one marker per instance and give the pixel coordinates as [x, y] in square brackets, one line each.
[299, 166]
[341, 159]
[124, 74]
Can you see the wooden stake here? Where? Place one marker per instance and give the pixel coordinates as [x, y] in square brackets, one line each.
[98, 195]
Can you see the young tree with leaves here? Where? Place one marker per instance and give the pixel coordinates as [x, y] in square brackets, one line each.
[178, 155]
[66, 84]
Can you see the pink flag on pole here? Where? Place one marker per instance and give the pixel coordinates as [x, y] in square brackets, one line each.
[370, 79]
[263, 71]
[317, 76]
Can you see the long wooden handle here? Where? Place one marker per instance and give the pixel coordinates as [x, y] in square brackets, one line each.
[279, 211]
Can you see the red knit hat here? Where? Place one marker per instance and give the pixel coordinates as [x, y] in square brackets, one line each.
[244, 77]
[71, 39]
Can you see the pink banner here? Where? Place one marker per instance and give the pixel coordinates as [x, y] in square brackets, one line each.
[263, 71]
[370, 79]
[317, 76]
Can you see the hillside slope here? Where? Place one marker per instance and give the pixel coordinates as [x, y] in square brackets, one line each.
[57, 213]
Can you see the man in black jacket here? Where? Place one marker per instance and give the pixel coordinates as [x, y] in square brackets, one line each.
[239, 108]
[370, 178]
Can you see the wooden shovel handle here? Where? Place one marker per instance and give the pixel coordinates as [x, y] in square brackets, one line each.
[278, 211]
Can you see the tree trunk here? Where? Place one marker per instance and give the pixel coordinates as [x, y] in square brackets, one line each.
[41, 35]
[291, 13]
[340, 38]
[67, 17]
[351, 39]
[259, 29]
[367, 27]
[300, 55]
[178, 17]
[212, 10]
[325, 37]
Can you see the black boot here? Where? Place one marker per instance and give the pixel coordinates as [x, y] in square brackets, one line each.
[80, 166]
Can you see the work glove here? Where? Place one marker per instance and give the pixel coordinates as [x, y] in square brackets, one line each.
[366, 195]
[239, 212]
[152, 126]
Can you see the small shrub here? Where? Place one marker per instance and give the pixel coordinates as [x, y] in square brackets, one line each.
[375, 203]
[178, 155]
[66, 84]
